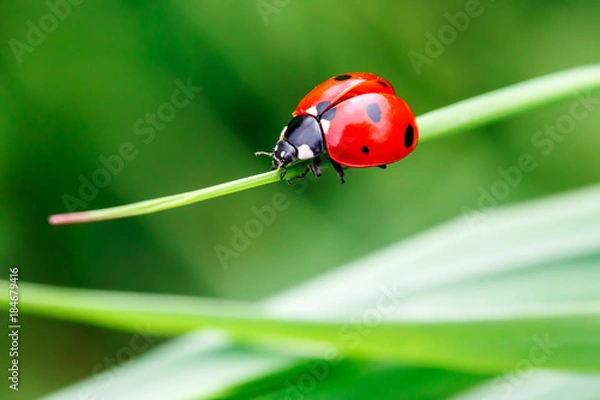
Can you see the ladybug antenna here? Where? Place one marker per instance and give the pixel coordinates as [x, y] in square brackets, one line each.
[263, 153]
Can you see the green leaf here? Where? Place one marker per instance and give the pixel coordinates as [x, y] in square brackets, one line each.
[528, 384]
[356, 380]
[479, 339]
[537, 264]
[197, 365]
[459, 117]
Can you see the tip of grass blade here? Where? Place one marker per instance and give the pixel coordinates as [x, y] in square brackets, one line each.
[167, 202]
[73, 218]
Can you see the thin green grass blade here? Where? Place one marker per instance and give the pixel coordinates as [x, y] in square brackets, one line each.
[459, 117]
[165, 203]
[505, 102]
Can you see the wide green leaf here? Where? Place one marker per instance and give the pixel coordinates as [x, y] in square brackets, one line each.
[474, 338]
[528, 384]
[479, 295]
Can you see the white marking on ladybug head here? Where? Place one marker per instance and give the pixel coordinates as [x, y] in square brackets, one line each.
[325, 125]
[312, 111]
[282, 154]
[305, 152]
[283, 132]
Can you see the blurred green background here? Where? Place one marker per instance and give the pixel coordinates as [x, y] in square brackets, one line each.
[78, 93]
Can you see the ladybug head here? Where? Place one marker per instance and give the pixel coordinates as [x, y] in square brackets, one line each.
[301, 139]
[284, 153]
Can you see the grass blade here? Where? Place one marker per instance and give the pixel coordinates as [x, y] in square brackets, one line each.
[462, 116]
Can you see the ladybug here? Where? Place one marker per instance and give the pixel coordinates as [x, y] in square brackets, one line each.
[355, 120]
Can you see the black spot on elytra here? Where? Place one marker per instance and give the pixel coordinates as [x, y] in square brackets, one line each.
[409, 136]
[374, 112]
[322, 106]
[382, 83]
[329, 114]
[365, 149]
[342, 77]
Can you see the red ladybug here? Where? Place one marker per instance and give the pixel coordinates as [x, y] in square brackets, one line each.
[355, 119]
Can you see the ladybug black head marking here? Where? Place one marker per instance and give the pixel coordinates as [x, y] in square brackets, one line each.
[284, 154]
[302, 139]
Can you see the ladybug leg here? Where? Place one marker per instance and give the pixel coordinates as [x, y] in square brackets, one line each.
[338, 170]
[282, 173]
[302, 175]
[315, 167]
[306, 171]
[383, 166]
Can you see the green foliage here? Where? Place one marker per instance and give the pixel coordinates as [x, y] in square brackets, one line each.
[78, 107]
[540, 308]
